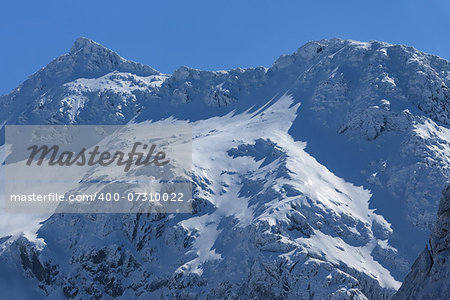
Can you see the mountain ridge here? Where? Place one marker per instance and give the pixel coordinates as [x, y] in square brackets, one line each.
[373, 117]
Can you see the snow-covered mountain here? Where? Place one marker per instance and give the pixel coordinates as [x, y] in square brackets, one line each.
[316, 178]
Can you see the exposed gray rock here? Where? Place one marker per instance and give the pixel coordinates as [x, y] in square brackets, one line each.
[430, 275]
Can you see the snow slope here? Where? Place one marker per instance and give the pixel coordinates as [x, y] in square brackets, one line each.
[317, 177]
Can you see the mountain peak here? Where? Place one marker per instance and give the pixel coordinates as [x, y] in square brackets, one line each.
[90, 59]
[86, 59]
[83, 42]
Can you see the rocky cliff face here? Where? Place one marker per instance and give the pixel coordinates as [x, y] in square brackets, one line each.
[430, 274]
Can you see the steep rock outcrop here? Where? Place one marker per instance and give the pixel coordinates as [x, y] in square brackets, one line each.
[430, 275]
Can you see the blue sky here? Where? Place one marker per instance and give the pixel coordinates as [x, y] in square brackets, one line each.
[212, 35]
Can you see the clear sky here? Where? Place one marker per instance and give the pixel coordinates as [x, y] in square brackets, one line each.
[212, 34]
